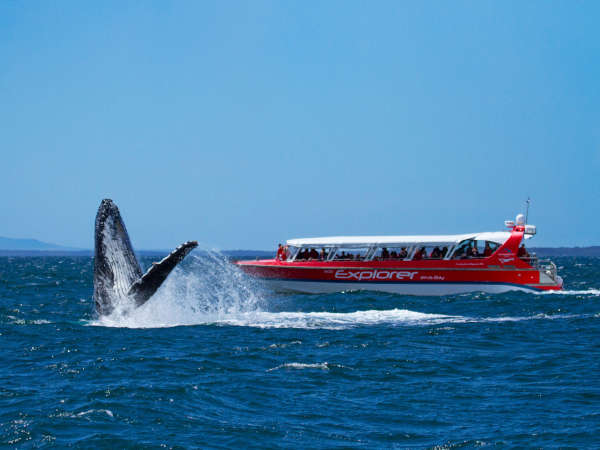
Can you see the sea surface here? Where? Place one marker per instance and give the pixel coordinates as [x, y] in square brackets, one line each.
[215, 360]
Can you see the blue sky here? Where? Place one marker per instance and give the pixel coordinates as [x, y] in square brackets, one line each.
[241, 124]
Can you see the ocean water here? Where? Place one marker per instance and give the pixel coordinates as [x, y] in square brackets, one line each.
[215, 360]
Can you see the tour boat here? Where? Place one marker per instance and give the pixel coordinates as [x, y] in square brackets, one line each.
[491, 262]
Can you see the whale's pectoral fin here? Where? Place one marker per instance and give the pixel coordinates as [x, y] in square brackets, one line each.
[147, 285]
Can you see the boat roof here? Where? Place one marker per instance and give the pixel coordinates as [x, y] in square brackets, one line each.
[499, 237]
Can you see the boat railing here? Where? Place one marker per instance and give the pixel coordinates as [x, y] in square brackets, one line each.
[532, 260]
[545, 265]
[548, 267]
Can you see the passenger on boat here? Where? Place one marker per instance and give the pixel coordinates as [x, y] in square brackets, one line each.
[385, 254]
[403, 253]
[280, 253]
[393, 254]
[303, 254]
[444, 252]
[474, 253]
[322, 255]
[419, 254]
[487, 251]
[436, 253]
[522, 253]
[313, 254]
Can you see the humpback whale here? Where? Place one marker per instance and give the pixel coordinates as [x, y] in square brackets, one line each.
[117, 272]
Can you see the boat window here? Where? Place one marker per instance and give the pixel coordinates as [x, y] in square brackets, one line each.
[463, 249]
[351, 254]
[312, 254]
[391, 253]
[489, 248]
[474, 249]
[430, 252]
[291, 252]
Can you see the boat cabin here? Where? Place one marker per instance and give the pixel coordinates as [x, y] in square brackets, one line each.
[397, 248]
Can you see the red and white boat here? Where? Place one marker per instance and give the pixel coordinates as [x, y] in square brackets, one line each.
[412, 265]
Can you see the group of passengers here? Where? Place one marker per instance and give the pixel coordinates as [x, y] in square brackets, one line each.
[467, 251]
[386, 254]
[307, 254]
[421, 253]
[470, 251]
[349, 257]
[436, 253]
[311, 254]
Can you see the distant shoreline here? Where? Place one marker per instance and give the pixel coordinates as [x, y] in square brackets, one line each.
[593, 251]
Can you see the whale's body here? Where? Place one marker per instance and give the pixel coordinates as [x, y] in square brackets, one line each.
[117, 272]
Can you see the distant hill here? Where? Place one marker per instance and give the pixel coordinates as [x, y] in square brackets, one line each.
[567, 251]
[30, 245]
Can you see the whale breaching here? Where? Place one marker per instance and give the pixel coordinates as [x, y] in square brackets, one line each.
[117, 273]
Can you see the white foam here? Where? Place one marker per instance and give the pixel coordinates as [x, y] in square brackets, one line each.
[593, 292]
[334, 321]
[108, 412]
[28, 322]
[295, 365]
[318, 320]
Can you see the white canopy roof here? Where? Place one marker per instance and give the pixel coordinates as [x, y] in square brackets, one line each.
[499, 237]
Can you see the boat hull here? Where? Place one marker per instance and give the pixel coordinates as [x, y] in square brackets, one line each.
[457, 278]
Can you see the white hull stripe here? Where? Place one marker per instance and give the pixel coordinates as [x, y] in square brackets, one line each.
[463, 286]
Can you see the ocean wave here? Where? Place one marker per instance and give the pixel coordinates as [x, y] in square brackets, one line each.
[591, 291]
[108, 412]
[14, 321]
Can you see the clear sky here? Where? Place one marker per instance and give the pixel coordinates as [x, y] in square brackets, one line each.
[241, 124]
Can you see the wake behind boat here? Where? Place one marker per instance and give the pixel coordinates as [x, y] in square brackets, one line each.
[491, 262]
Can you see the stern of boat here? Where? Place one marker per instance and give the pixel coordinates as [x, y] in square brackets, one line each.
[549, 280]
[549, 277]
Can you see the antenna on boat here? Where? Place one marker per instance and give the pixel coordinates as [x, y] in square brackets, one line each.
[528, 202]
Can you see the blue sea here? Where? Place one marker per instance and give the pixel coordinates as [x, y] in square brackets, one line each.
[215, 360]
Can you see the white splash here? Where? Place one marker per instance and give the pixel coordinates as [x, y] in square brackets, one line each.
[295, 365]
[208, 290]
